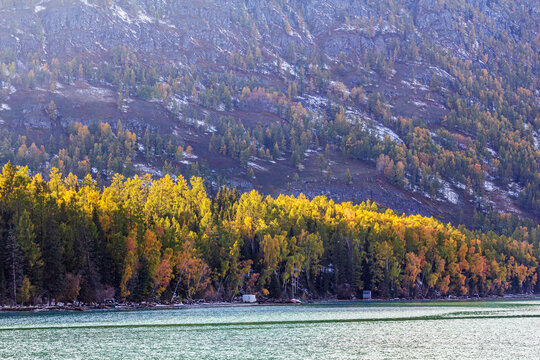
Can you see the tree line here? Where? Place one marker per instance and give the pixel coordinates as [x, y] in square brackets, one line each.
[143, 239]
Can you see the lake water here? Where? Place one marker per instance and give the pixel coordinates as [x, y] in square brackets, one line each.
[433, 330]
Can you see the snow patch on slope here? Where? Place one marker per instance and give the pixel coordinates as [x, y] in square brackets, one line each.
[97, 93]
[119, 12]
[286, 67]
[142, 17]
[190, 156]
[489, 186]
[256, 166]
[85, 2]
[448, 193]
[419, 103]
[492, 152]
[514, 189]
[313, 103]
[148, 170]
[10, 88]
[382, 132]
[441, 73]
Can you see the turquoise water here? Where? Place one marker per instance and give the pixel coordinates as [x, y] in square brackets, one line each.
[471, 330]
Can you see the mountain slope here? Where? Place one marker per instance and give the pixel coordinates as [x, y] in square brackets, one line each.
[423, 107]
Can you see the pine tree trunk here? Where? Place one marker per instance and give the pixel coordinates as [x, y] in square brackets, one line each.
[14, 277]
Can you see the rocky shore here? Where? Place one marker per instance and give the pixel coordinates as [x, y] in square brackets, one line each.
[205, 304]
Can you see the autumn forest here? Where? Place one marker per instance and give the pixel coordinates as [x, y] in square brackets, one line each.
[167, 240]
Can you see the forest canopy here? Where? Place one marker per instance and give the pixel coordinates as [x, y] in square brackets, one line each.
[66, 239]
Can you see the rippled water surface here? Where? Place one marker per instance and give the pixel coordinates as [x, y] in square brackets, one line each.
[472, 330]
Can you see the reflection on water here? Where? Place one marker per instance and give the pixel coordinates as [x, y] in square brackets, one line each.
[332, 331]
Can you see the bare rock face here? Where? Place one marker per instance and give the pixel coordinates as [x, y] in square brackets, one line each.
[209, 30]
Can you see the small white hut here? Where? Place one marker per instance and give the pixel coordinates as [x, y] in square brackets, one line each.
[250, 298]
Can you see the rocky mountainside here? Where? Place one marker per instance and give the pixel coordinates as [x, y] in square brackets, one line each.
[425, 107]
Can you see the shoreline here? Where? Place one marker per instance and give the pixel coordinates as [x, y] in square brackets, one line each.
[218, 304]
